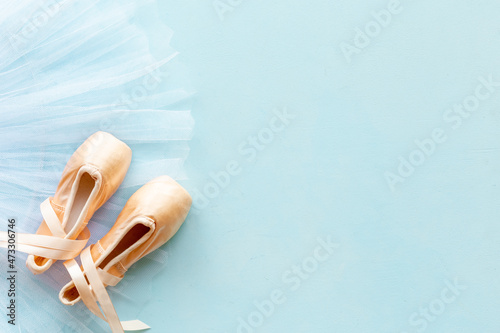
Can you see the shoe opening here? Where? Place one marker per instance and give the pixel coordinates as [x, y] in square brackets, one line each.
[40, 261]
[82, 196]
[133, 236]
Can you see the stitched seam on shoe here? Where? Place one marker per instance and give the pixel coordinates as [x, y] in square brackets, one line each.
[93, 166]
[99, 247]
[119, 266]
[59, 207]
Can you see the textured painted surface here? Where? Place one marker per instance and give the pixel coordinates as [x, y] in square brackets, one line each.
[420, 256]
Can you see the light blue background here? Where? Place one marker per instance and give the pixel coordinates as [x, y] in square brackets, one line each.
[324, 175]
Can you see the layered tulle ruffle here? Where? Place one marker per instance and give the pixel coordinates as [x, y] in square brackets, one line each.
[69, 69]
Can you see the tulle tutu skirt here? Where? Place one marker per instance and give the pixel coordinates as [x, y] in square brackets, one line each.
[68, 69]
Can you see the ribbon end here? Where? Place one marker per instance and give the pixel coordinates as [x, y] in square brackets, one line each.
[134, 325]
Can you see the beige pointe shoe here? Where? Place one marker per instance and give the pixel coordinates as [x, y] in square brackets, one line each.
[91, 177]
[149, 219]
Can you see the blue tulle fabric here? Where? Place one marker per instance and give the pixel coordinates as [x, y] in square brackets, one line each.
[68, 69]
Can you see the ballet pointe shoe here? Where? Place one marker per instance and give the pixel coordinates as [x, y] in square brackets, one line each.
[92, 175]
[149, 219]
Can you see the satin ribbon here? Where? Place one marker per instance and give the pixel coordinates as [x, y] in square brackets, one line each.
[58, 248]
[94, 291]
[52, 247]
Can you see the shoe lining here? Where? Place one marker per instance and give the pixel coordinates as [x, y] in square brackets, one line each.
[131, 237]
[85, 187]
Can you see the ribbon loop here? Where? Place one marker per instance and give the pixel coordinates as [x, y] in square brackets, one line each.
[89, 282]
[55, 247]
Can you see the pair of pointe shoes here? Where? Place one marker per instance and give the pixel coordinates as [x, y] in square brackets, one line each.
[149, 219]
